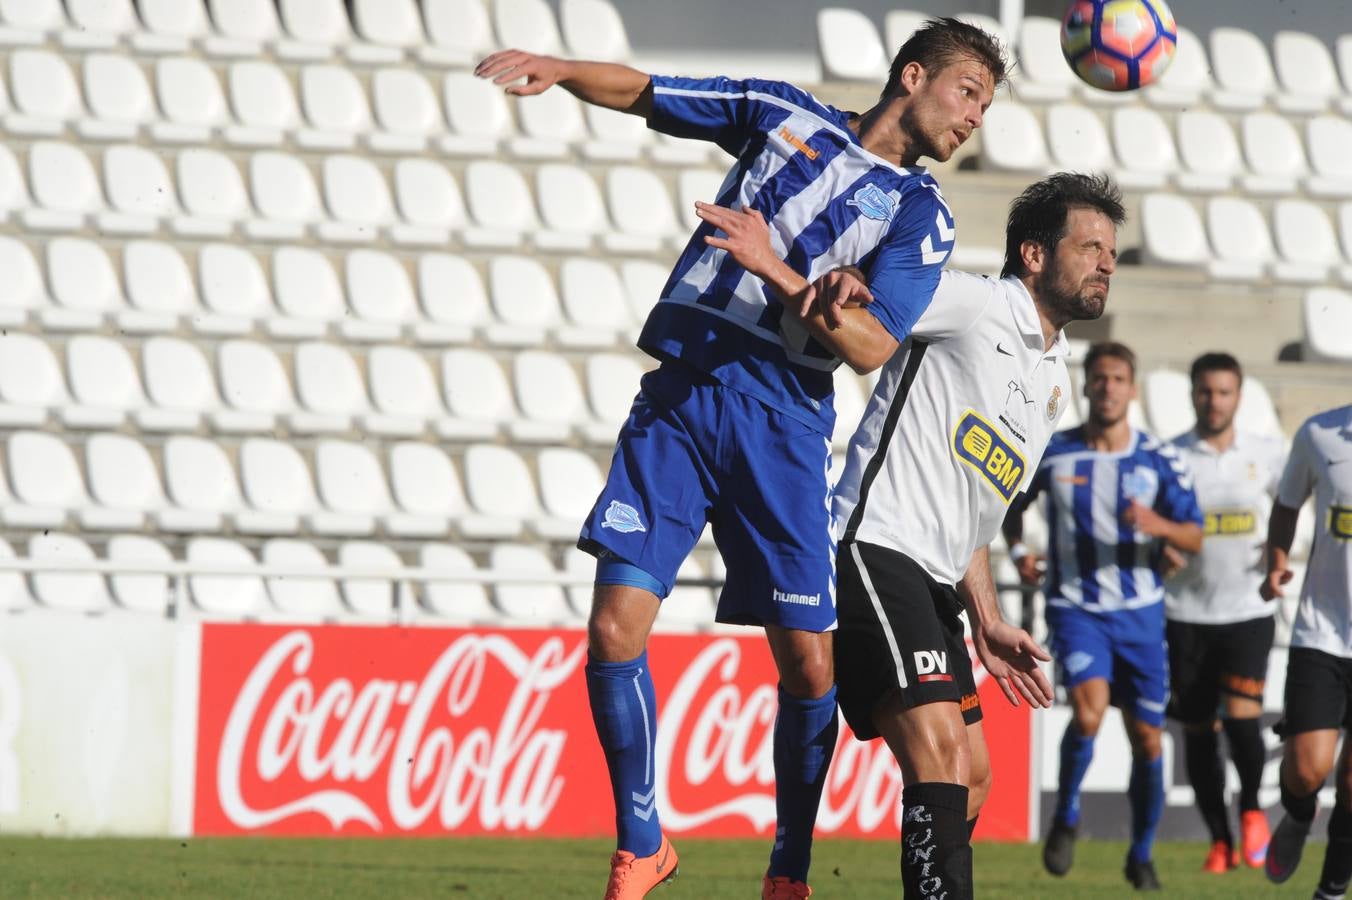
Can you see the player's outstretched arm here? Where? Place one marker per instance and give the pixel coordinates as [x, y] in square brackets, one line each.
[610, 85]
[860, 340]
[1009, 653]
[1281, 532]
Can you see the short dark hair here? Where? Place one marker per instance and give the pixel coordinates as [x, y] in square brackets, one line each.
[1215, 362]
[1039, 213]
[1110, 350]
[939, 42]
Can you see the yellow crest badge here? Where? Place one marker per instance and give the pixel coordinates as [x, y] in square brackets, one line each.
[1053, 402]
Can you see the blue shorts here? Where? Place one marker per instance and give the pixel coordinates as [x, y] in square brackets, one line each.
[1127, 648]
[693, 452]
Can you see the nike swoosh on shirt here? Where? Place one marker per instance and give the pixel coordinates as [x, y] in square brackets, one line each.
[1000, 349]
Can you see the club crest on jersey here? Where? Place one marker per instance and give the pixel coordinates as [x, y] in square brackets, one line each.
[1340, 522]
[873, 203]
[622, 518]
[1053, 402]
[980, 445]
[1141, 484]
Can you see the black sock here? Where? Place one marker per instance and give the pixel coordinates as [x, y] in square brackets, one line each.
[1201, 750]
[1302, 809]
[936, 853]
[1338, 857]
[971, 826]
[1245, 737]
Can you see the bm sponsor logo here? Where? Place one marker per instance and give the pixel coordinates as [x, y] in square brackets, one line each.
[980, 444]
[1340, 522]
[1229, 522]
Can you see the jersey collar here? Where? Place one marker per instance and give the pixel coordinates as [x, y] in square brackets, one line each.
[1026, 317]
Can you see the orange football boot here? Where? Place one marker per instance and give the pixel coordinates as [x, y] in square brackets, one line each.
[1254, 836]
[631, 878]
[783, 888]
[1221, 858]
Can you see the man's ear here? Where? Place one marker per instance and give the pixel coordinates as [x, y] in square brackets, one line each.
[912, 76]
[1034, 257]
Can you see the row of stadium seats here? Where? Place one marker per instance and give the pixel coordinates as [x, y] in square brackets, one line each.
[176, 390]
[1239, 76]
[1241, 246]
[298, 596]
[436, 32]
[1142, 152]
[590, 303]
[206, 197]
[259, 108]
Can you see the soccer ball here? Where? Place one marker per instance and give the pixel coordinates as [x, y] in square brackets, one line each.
[1119, 45]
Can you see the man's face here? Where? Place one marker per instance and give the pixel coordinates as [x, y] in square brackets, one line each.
[1215, 397]
[947, 106]
[1073, 282]
[1110, 387]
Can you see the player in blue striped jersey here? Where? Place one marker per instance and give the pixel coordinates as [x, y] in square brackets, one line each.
[1115, 498]
[733, 428]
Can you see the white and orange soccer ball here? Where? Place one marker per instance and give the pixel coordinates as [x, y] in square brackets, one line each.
[1119, 45]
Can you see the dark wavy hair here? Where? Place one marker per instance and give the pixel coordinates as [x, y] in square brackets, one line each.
[1110, 350]
[1039, 213]
[939, 42]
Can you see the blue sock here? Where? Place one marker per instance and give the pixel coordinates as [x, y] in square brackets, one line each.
[1077, 752]
[1146, 791]
[805, 740]
[624, 709]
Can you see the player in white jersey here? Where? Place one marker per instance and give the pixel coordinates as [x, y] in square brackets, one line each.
[1319, 669]
[1218, 628]
[733, 428]
[958, 420]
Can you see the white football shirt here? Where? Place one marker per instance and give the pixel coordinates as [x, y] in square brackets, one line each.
[1321, 462]
[1235, 488]
[955, 427]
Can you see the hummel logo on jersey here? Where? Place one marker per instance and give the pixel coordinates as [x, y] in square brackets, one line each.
[797, 599]
[798, 143]
[622, 517]
[932, 665]
[873, 203]
[1001, 349]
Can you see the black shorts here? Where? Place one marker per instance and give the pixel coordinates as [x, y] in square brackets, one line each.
[1206, 661]
[899, 633]
[1318, 692]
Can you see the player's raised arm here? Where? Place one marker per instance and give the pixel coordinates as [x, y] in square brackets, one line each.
[1009, 653]
[610, 85]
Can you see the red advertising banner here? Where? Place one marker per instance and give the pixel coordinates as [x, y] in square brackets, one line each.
[320, 730]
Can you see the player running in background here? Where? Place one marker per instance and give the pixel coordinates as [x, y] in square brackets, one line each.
[1319, 668]
[1115, 498]
[734, 426]
[958, 420]
[1219, 630]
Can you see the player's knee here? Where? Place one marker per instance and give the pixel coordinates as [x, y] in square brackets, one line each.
[1303, 777]
[1087, 721]
[808, 675]
[979, 788]
[609, 638]
[1146, 742]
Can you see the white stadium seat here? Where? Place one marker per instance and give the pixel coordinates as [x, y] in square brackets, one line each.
[123, 477]
[849, 46]
[526, 24]
[315, 25]
[644, 281]
[640, 208]
[1042, 72]
[103, 377]
[26, 21]
[1328, 139]
[276, 482]
[404, 390]
[1145, 148]
[1256, 411]
[1172, 231]
[57, 589]
[1305, 70]
[307, 289]
[394, 23]
[329, 384]
[201, 483]
[297, 595]
[459, 601]
[525, 603]
[245, 24]
[898, 26]
[357, 197]
[1327, 314]
[14, 593]
[22, 290]
[82, 282]
[13, 191]
[1305, 241]
[1240, 241]
[687, 604]
[253, 382]
[370, 598]
[285, 194]
[64, 185]
[380, 293]
[190, 98]
[569, 484]
[477, 113]
[426, 490]
[1187, 80]
[1011, 140]
[1077, 139]
[263, 102]
[498, 483]
[1242, 67]
[158, 285]
[99, 23]
[224, 595]
[615, 136]
[46, 480]
[352, 483]
[334, 105]
[1168, 402]
[594, 301]
[429, 201]
[612, 382]
[1208, 150]
[571, 206]
[178, 380]
[524, 301]
[550, 396]
[1274, 153]
[476, 390]
[212, 192]
[172, 25]
[551, 123]
[452, 296]
[45, 93]
[1342, 49]
[500, 202]
[144, 591]
[30, 380]
[139, 188]
[593, 29]
[233, 287]
[406, 107]
[118, 95]
[459, 32]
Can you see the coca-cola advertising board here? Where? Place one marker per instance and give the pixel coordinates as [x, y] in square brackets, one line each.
[320, 730]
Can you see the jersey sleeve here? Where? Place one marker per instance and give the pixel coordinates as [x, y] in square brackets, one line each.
[906, 270]
[1299, 474]
[1177, 499]
[724, 110]
[958, 301]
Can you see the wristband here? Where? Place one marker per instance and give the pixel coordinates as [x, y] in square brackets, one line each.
[1018, 550]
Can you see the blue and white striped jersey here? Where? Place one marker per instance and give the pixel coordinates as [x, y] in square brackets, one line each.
[828, 202]
[1094, 560]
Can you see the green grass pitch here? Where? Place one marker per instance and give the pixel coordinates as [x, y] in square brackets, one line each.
[260, 868]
